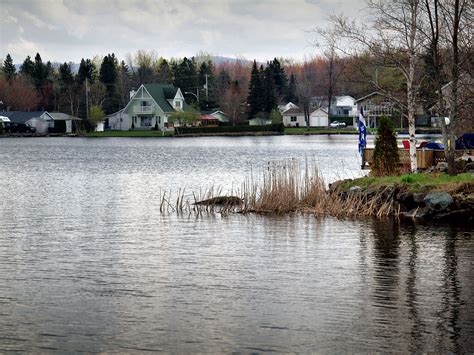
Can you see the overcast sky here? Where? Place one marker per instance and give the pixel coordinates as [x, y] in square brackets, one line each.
[68, 30]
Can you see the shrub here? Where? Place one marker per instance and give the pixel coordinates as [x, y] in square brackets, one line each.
[1, 127]
[386, 159]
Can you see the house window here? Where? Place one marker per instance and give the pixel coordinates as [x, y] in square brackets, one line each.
[159, 119]
[177, 104]
[293, 119]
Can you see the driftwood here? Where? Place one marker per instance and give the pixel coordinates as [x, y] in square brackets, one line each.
[221, 200]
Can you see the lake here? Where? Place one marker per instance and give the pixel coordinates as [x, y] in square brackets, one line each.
[89, 264]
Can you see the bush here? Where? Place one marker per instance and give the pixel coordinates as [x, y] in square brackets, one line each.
[1, 127]
[230, 129]
[386, 159]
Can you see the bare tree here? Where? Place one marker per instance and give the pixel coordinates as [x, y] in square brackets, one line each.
[393, 37]
[305, 88]
[448, 31]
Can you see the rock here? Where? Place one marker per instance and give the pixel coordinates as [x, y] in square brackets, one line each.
[336, 185]
[441, 167]
[438, 201]
[355, 188]
[221, 200]
[406, 199]
[419, 197]
[417, 213]
[469, 167]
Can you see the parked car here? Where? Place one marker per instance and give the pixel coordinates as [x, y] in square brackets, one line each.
[12, 127]
[337, 124]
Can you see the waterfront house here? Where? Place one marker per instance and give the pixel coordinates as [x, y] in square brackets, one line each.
[374, 105]
[150, 106]
[41, 120]
[294, 117]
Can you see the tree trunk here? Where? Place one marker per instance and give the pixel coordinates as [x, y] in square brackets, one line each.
[411, 89]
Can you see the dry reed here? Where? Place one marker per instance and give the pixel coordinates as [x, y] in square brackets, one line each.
[286, 187]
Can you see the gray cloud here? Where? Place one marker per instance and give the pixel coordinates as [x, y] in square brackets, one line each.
[67, 30]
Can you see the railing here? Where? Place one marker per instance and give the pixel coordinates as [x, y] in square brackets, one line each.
[143, 109]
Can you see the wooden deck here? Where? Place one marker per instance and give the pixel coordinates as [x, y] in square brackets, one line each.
[425, 157]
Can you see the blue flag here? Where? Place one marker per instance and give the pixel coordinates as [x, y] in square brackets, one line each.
[362, 132]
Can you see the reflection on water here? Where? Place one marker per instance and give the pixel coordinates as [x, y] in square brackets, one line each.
[87, 262]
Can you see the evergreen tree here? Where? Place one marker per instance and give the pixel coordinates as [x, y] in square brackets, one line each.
[269, 101]
[386, 158]
[207, 101]
[280, 79]
[108, 76]
[9, 69]
[66, 77]
[254, 99]
[291, 90]
[124, 83]
[40, 71]
[185, 77]
[27, 69]
[164, 75]
[86, 70]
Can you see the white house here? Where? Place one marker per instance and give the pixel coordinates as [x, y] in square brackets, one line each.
[149, 106]
[294, 117]
[119, 121]
[343, 105]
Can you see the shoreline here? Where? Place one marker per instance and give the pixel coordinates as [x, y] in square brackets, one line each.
[168, 134]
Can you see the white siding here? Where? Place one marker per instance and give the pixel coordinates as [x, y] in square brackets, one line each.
[294, 120]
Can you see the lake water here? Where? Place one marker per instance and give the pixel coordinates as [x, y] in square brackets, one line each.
[88, 262]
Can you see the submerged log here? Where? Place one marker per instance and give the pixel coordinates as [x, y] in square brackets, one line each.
[221, 200]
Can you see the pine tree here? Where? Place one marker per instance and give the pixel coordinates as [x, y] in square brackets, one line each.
[9, 69]
[108, 76]
[40, 71]
[208, 98]
[280, 79]
[185, 77]
[164, 72]
[254, 98]
[27, 69]
[86, 70]
[269, 101]
[291, 90]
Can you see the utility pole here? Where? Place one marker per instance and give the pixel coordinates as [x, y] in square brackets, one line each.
[87, 99]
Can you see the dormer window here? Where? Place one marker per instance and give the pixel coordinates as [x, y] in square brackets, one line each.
[177, 104]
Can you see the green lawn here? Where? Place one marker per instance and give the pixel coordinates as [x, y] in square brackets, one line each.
[130, 134]
[304, 130]
[415, 182]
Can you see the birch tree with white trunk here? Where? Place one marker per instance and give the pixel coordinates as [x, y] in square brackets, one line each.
[391, 35]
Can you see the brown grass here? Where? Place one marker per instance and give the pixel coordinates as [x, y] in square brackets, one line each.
[286, 187]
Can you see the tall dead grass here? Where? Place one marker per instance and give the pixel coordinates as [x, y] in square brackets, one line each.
[287, 187]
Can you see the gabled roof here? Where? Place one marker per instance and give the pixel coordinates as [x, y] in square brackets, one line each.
[161, 93]
[369, 95]
[293, 110]
[320, 109]
[23, 116]
[63, 116]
